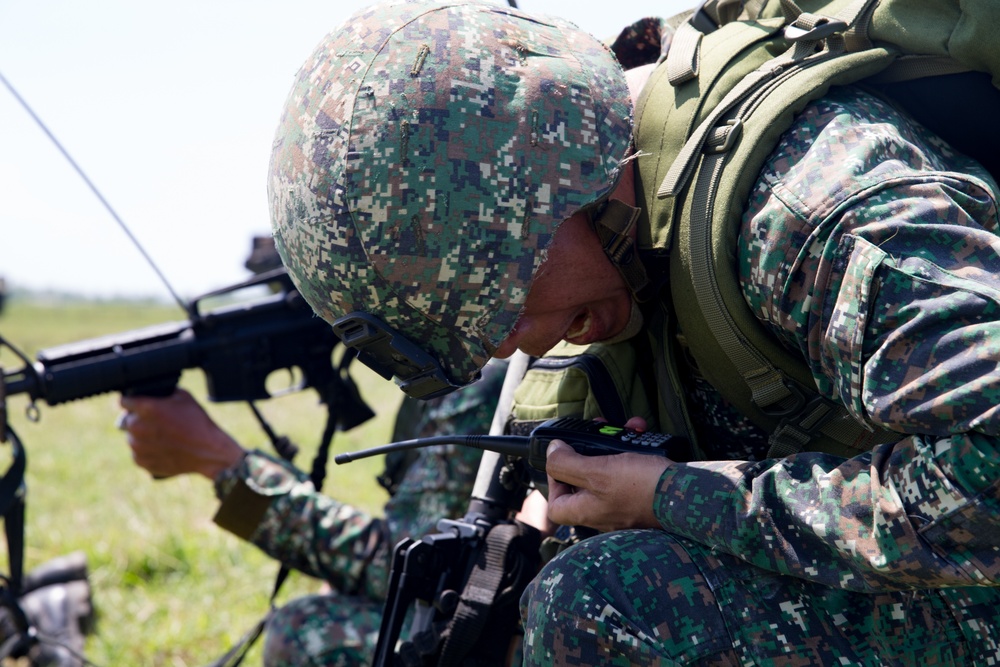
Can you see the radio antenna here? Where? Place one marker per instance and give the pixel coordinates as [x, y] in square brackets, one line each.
[511, 445]
[93, 188]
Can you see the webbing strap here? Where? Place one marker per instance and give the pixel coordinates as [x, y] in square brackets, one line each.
[803, 420]
[684, 54]
[753, 8]
[824, 417]
[908, 68]
[801, 54]
[12, 493]
[614, 228]
[235, 655]
[766, 383]
[478, 596]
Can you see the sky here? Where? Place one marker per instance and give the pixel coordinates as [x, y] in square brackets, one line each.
[170, 110]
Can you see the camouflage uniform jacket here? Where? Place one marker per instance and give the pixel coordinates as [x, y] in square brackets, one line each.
[870, 247]
[351, 549]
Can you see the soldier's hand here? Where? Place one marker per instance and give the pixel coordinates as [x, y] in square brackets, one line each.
[603, 492]
[174, 435]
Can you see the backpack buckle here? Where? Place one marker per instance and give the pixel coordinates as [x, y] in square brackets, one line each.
[722, 138]
[801, 421]
[816, 28]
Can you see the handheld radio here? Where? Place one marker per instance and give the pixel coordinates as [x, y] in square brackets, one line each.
[585, 437]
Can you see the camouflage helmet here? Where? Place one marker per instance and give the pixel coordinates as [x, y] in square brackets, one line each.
[425, 157]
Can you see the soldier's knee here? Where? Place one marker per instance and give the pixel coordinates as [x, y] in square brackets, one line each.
[284, 644]
[592, 564]
[627, 593]
[318, 630]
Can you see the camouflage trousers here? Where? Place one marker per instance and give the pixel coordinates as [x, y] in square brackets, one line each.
[323, 630]
[650, 598]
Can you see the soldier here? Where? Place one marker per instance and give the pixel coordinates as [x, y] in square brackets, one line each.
[464, 176]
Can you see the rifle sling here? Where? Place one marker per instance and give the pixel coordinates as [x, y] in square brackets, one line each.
[477, 598]
[12, 509]
[12, 492]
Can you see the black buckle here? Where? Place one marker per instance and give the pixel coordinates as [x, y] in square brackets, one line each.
[393, 356]
[824, 28]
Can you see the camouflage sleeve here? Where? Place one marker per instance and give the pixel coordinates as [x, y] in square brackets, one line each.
[279, 511]
[334, 541]
[872, 248]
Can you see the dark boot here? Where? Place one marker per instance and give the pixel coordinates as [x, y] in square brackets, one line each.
[57, 608]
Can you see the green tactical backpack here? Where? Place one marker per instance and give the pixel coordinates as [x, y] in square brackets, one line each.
[734, 78]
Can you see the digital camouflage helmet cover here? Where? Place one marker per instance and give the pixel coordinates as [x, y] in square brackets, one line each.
[425, 156]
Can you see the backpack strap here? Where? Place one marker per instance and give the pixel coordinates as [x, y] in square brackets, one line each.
[683, 58]
[733, 114]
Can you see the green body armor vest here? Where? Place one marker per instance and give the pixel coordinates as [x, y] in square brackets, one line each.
[583, 381]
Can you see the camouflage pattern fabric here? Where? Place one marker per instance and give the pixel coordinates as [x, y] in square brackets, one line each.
[421, 183]
[870, 247]
[651, 598]
[642, 42]
[333, 541]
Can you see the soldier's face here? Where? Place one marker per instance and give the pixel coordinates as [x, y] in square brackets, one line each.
[577, 295]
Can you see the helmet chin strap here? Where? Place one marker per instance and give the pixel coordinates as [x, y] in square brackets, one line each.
[614, 225]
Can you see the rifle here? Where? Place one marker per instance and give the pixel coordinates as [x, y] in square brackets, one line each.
[237, 346]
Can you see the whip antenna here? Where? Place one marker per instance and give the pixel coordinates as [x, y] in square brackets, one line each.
[94, 189]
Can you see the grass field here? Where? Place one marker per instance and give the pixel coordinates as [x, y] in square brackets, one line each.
[170, 587]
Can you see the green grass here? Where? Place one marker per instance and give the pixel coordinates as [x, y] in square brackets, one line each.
[169, 586]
